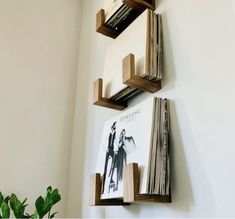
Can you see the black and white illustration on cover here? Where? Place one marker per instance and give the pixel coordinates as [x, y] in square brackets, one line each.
[126, 138]
[117, 151]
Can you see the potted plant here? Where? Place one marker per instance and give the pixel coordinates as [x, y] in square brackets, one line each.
[43, 206]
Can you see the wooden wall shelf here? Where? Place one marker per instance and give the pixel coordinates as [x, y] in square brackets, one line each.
[130, 189]
[138, 6]
[129, 78]
[99, 100]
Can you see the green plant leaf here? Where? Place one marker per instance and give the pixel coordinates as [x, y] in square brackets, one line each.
[55, 196]
[24, 201]
[5, 210]
[27, 216]
[7, 199]
[39, 205]
[17, 207]
[47, 206]
[35, 215]
[1, 199]
[44, 206]
[49, 189]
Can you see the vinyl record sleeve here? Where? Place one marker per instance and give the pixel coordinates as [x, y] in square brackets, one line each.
[126, 139]
[132, 40]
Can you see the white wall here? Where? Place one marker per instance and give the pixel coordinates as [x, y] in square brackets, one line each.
[38, 67]
[199, 50]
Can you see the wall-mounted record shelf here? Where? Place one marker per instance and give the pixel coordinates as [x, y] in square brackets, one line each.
[99, 100]
[129, 78]
[130, 189]
[137, 7]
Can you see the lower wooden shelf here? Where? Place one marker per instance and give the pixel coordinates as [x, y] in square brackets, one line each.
[130, 189]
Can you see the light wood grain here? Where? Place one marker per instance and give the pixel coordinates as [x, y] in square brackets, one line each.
[102, 28]
[131, 79]
[131, 187]
[138, 6]
[102, 101]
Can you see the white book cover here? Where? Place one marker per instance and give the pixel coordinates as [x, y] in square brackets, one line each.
[126, 139]
[131, 40]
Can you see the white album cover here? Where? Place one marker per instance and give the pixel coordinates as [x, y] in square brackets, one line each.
[131, 40]
[126, 139]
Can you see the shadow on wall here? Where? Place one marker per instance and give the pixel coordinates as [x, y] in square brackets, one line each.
[182, 195]
[169, 75]
[169, 72]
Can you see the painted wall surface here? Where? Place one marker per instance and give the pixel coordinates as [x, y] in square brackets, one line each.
[38, 68]
[199, 51]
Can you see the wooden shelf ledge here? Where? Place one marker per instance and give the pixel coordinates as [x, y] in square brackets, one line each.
[131, 187]
[138, 6]
[131, 79]
[99, 100]
[102, 28]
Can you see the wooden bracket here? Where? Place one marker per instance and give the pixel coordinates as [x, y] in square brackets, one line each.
[95, 193]
[138, 6]
[102, 28]
[131, 187]
[130, 78]
[102, 101]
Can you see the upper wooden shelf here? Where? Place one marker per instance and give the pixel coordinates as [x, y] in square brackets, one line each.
[138, 6]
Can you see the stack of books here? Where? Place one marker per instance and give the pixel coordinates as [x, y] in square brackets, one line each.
[138, 135]
[143, 38]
